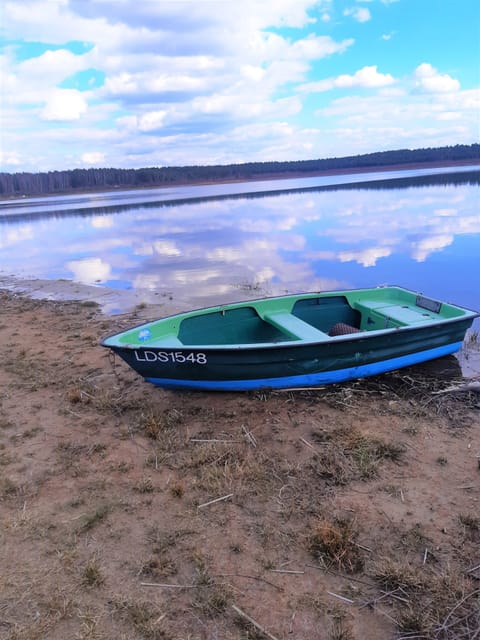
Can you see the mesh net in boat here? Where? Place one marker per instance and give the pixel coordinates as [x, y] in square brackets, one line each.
[342, 329]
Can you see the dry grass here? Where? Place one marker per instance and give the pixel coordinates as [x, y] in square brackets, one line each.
[334, 543]
[92, 575]
[350, 509]
[141, 616]
[90, 520]
[430, 605]
[341, 628]
[346, 454]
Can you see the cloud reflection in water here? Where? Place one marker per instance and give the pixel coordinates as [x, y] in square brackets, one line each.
[209, 250]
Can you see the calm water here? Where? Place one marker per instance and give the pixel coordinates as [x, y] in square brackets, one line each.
[217, 243]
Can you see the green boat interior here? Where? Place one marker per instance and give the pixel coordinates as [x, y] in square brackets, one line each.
[308, 318]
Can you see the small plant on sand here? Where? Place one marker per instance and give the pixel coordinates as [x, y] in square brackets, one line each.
[203, 576]
[393, 574]
[144, 485]
[75, 395]
[92, 575]
[414, 538]
[368, 453]
[158, 567]
[393, 490]
[90, 520]
[5, 424]
[333, 541]
[177, 489]
[154, 424]
[8, 488]
[471, 526]
[161, 540]
[341, 628]
[470, 522]
[347, 454]
[144, 616]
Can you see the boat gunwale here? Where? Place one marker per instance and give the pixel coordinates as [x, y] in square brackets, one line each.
[468, 314]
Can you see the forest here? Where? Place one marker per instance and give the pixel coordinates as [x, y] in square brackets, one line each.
[77, 180]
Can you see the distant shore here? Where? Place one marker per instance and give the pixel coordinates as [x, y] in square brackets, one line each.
[284, 175]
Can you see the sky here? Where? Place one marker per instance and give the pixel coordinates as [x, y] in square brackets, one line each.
[141, 83]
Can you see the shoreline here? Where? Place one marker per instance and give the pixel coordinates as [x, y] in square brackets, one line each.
[146, 305]
[287, 175]
[111, 301]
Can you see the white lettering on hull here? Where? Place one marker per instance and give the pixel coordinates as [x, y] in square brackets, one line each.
[182, 357]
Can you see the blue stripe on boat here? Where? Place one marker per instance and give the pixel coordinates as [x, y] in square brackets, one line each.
[311, 379]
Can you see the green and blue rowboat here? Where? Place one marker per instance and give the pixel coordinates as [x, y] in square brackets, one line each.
[293, 341]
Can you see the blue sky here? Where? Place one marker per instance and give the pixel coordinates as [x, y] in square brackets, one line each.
[134, 83]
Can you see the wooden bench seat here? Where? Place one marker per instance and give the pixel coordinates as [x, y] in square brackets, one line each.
[295, 327]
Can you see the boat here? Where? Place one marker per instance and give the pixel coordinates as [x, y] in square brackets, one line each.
[293, 341]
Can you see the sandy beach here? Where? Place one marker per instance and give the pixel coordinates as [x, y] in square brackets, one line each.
[130, 512]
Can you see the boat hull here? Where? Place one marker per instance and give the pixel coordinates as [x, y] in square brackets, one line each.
[242, 368]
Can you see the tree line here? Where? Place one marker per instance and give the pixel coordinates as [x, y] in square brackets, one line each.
[72, 180]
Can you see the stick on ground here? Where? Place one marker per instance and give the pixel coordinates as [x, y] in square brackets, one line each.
[254, 623]
[206, 504]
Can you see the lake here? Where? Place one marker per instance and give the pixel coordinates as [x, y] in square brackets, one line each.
[205, 244]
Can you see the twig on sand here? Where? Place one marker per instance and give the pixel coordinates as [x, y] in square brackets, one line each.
[254, 623]
[249, 436]
[473, 569]
[243, 575]
[168, 586]
[206, 504]
[335, 595]
[474, 385]
[425, 556]
[444, 626]
[286, 571]
[386, 594]
[215, 440]
[309, 444]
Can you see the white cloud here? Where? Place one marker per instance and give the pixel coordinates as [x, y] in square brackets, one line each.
[64, 105]
[166, 248]
[16, 235]
[360, 14]
[33, 80]
[422, 249]
[367, 77]
[401, 120]
[317, 47]
[210, 82]
[102, 222]
[93, 157]
[366, 257]
[429, 80]
[449, 115]
[152, 120]
[446, 212]
[90, 270]
[12, 158]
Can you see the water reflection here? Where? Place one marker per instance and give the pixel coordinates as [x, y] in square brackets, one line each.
[423, 236]
[118, 202]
